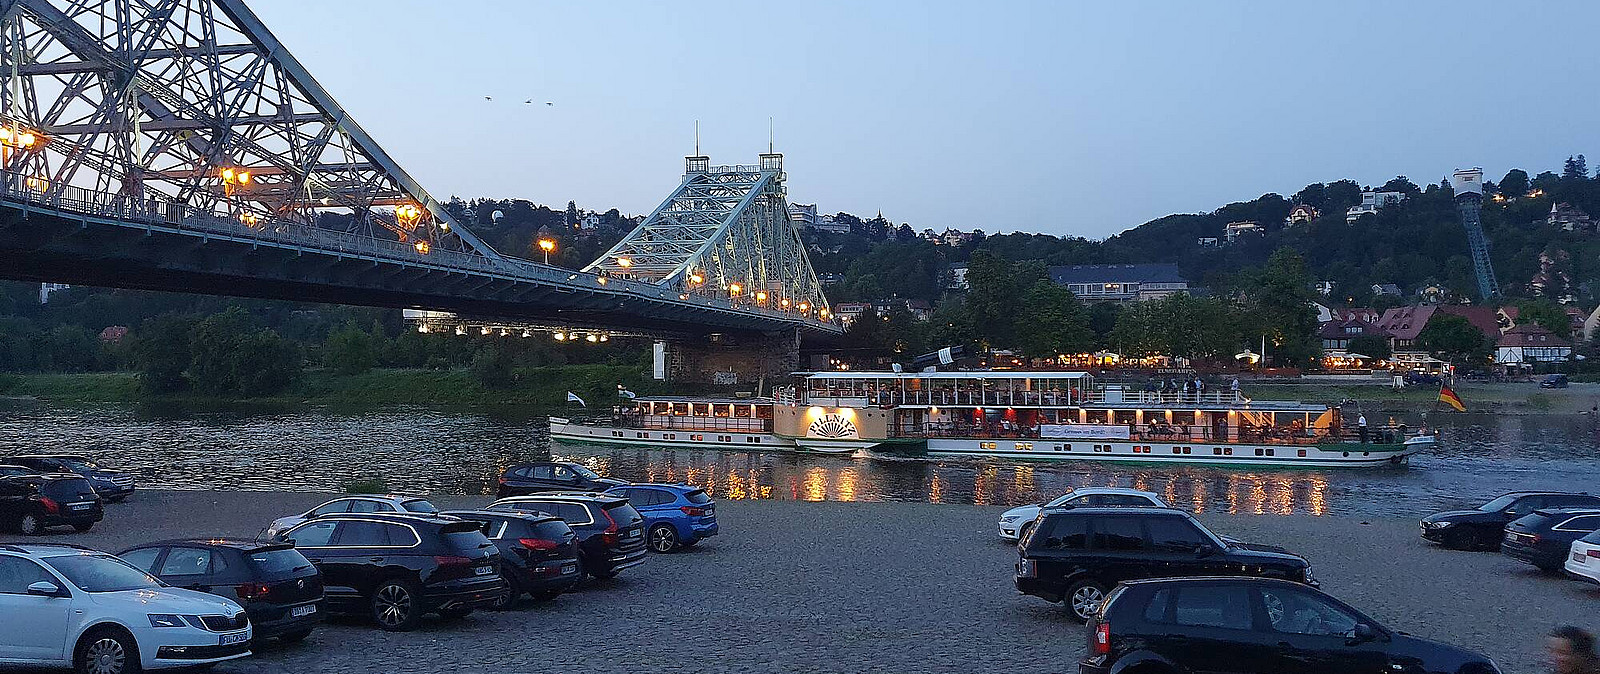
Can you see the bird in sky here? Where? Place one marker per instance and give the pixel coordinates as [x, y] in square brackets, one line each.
[488, 98]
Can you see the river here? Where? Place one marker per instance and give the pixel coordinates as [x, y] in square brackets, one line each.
[433, 451]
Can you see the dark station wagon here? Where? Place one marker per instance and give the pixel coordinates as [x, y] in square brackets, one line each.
[278, 587]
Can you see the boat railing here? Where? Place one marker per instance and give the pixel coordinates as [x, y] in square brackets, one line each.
[692, 423]
[1156, 433]
[1051, 398]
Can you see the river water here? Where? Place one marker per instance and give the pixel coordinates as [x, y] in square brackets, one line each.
[426, 450]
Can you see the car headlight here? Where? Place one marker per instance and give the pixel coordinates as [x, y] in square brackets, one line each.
[1009, 518]
[166, 620]
[1439, 525]
[1309, 578]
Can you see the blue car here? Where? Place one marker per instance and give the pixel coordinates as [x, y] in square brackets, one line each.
[675, 515]
[111, 485]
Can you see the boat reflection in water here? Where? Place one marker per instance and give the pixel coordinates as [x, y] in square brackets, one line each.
[756, 475]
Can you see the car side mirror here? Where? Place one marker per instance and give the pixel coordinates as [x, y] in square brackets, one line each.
[45, 588]
[1362, 633]
[1205, 550]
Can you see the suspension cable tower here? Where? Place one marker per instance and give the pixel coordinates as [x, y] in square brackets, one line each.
[1468, 185]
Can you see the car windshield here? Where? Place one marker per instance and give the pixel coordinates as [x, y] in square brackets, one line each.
[419, 506]
[81, 464]
[698, 497]
[278, 560]
[585, 472]
[102, 573]
[1062, 499]
[1498, 504]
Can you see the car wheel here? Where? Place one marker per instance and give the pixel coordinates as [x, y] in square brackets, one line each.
[663, 538]
[80, 528]
[294, 637]
[1084, 598]
[546, 595]
[1022, 531]
[30, 525]
[454, 613]
[394, 606]
[106, 650]
[510, 597]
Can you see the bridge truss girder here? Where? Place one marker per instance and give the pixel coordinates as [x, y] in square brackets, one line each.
[148, 102]
[724, 232]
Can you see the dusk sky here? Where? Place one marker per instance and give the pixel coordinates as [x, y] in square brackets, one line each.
[1060, 117]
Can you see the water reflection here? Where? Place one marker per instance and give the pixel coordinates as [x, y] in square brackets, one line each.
[441, 452]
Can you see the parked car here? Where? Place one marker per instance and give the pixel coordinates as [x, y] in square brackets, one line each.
[1554, 381]
[388, 503]
[532, 478]
[1015, 523]
[1076, 555]
[69, 606]
[7, 470]
[1583, 560]
[538, 552]
[395, 567]
[610, 531]
[113, 485]
[279, 588]
[30, 504]
[1483, 527]
[1253, 625]
[675, 515]
[1544, 537]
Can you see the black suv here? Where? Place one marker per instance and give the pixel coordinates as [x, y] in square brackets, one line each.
[31, 503]
[538, 552]
[1253, 626]
[278, 587]
[1076, 555]
[610, 532]
[1483, 528]
[113, 485]
[396, 567]
[1544, 537]
[531, 478]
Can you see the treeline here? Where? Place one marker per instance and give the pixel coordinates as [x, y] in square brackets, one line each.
[1015, 306]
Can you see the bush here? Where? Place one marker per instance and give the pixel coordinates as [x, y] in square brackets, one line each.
[351, 350]
[366, 485]
[492, 367]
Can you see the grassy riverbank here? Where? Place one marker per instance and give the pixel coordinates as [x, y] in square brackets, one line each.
[545, 386]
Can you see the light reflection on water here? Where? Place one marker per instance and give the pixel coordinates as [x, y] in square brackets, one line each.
[419, 450]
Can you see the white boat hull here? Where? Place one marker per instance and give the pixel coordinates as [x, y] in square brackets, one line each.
[1126, 451]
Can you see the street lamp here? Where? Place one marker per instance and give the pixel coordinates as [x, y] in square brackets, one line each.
[233, 179]
[547, 245]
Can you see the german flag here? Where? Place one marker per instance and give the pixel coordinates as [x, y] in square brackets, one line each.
[1450, 398]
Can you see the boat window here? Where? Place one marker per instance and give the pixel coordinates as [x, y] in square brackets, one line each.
[720, 410]
[1096, 416]
[742, 411]
[1183, 417]
[680, 409]
[763, 412]
[1125, 417]
[702, 409]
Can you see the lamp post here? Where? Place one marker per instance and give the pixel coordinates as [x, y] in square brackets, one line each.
[547, 245]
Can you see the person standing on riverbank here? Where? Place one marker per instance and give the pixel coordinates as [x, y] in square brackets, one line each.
[1361, 427]
[1571, 651]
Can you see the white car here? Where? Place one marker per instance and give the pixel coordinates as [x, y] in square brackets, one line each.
[64, 605]
[1583, 561]
[388, 503]
[1014, 523]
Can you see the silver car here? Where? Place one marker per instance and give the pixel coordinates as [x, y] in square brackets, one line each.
[387, 503]
[1015, 523]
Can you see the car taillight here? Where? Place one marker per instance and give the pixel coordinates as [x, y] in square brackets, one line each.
[1536, 538]
[1593, 552]
[693, 512]
[609, 536]
[451, 560]
[50, 505]
[503, 480]
[537, 544]
[253, 591]
[1102, 639]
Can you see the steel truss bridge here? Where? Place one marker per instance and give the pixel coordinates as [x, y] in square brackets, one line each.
[177, 145]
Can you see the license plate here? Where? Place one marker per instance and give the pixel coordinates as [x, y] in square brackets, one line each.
[235, 638]
[632, 533]
[82, 506]
[484, 570]
[568, 568]
[300, 611]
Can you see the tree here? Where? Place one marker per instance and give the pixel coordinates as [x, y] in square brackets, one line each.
[230, 355]
[349, 351]
[1575, 168]
[1454, 339]
[492, 367]
[1400, 184]
[1050, 320]
[1278, 299]
[161, 351]
[1515, 184]
[1545, 314]
[1372, 346]
[73, 349]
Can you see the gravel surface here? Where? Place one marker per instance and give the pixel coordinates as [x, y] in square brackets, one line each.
[848, 587]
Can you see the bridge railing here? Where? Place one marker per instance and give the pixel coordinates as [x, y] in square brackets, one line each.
[159, 210]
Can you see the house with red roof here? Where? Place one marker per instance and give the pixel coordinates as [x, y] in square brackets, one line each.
[1527, 345]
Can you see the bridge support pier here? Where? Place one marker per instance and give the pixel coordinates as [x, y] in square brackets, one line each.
[724, 360]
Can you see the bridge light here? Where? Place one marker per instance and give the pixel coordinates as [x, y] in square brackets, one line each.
[805, 307]
[600, 280]
[407, 215]
[26, 139]
[604, 338]
[696, 278]
[424, 247]
[483, 331]
[784, 303]
[591, 338]
[244, 177]
[547, 245]
[249, 219]
[761, 297]
[683, 296]
[560, 336]
[624, 262]
[227, 175]
[735, 289]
